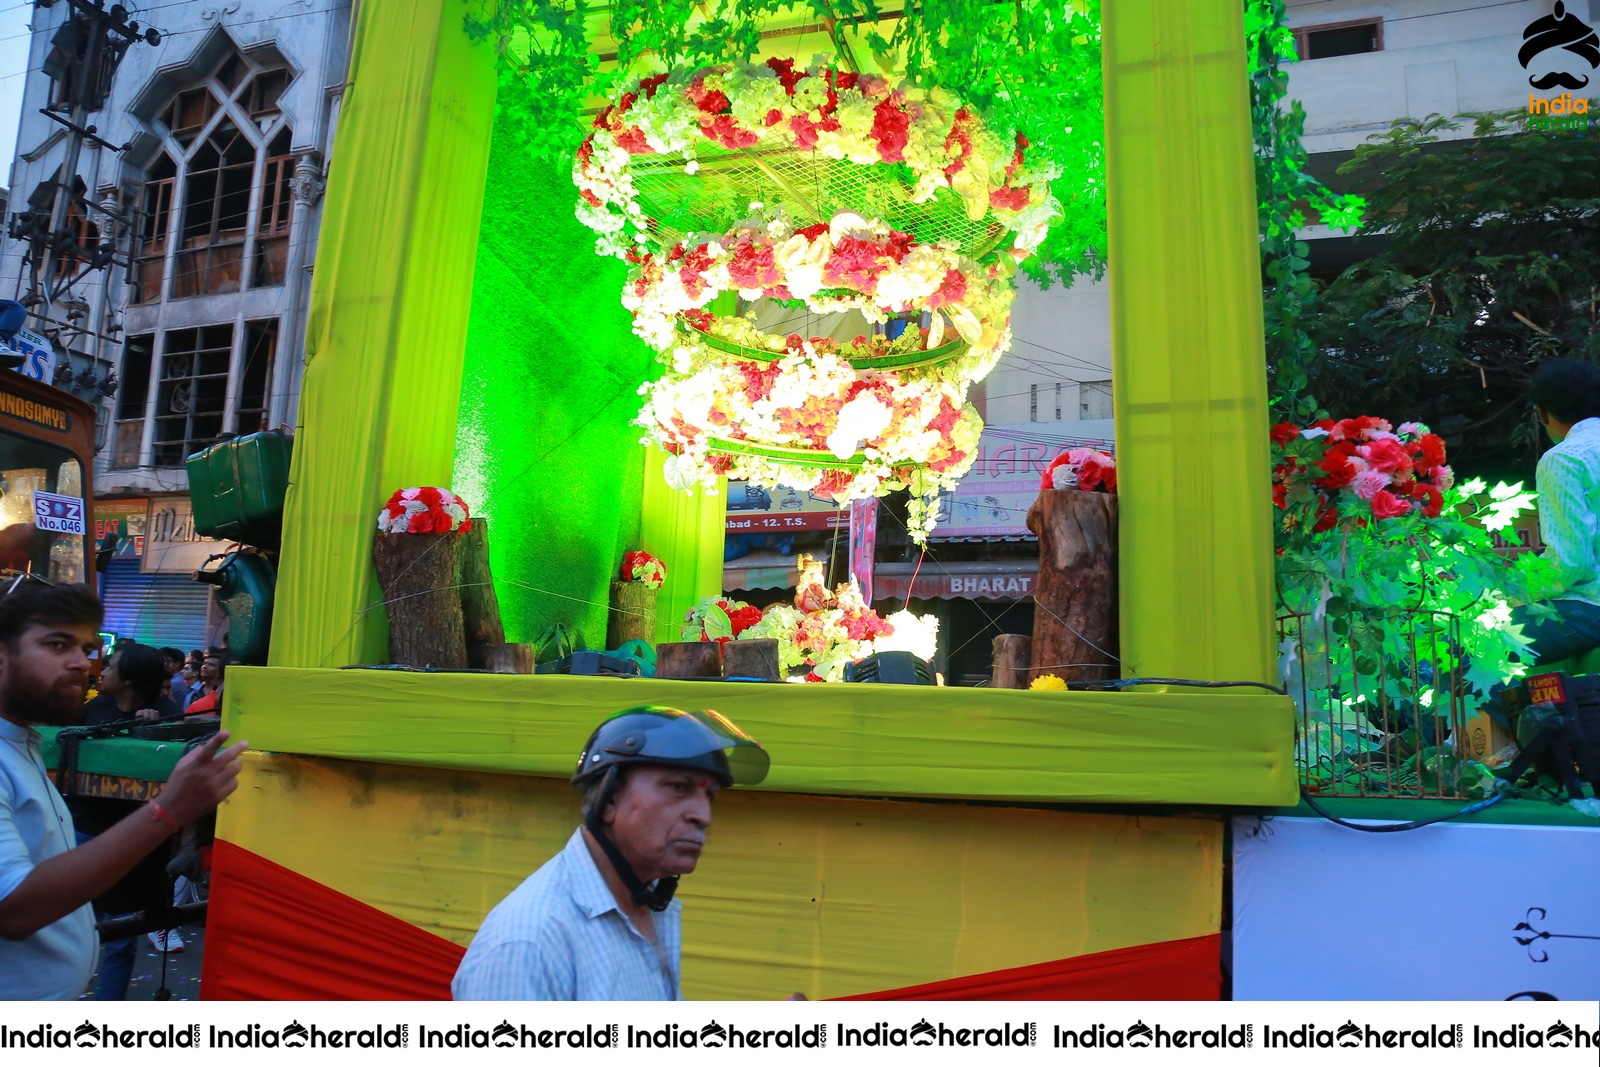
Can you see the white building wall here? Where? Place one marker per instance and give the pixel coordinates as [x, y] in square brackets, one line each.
[1061, 342]
[1441, 56]
[1444, 56]
[312, 36]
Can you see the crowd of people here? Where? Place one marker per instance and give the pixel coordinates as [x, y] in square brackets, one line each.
[143, 682]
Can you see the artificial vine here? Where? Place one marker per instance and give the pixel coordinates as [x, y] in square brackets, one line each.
[1036, 65]
[1282, 185]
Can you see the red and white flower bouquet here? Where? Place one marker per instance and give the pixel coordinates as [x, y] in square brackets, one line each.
[424, 509]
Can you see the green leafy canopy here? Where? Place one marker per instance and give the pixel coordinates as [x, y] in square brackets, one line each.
[1033, 64]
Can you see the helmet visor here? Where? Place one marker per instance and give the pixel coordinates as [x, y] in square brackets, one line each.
[696, 734]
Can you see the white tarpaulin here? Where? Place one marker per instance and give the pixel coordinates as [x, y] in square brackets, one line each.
[1452, 911]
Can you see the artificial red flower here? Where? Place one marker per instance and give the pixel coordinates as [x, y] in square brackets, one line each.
[1432, 446]
[1386, 455]
[752, 266]
[1385, 505]
[891, 128]
[958, 145]
[631, 139]
[784, 69]
[1432, 499]
[952, 290]
[1340, 472]
[1009, 199]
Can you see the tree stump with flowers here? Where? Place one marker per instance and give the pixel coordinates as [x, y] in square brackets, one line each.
[632, 615]
[415, 554]
[1075, 596]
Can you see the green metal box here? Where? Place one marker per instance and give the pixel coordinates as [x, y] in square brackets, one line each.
[238, 487]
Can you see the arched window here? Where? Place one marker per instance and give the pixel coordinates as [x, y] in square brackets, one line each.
[217, 197]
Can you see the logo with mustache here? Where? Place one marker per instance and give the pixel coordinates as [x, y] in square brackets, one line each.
[1559, 29]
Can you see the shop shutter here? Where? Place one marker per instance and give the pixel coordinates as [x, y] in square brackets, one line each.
[154, 609]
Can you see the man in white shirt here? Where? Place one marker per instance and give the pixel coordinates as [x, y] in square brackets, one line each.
[1566, 398]
[47, 931]
[598, 922]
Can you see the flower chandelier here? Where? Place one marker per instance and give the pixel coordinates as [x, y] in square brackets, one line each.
[816, 192]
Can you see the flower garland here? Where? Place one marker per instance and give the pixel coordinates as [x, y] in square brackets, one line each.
[1360, 469]
[836, 114]
[644, 568]
[1088, 469]
[847, 264]
[424, 509]
[854, 435]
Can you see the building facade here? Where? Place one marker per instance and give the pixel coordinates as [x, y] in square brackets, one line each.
[202, 186]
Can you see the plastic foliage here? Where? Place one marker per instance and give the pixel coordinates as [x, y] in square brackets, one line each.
[1390, 595]
[1028, 65]
[1285, 192]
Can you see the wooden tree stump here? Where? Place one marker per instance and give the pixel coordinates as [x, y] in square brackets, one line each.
[755, 658]
[514, 658]
[688, 659]
[1010, 661]
[633, 614]
[480, 607]
[418, 574]
[1075, 596]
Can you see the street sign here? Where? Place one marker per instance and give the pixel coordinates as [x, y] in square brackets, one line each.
[58, 514]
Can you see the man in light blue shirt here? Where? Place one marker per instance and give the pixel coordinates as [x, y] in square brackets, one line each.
[1566, 398]
[598, 922]
[47, 931]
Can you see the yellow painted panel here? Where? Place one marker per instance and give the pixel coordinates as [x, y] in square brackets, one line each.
[1206, 747]
[830, 896]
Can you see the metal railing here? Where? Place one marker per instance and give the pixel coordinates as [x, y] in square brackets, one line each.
[1381, 702]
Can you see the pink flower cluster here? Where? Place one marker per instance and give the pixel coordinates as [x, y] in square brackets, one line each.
[424, 509]
[1358, 468]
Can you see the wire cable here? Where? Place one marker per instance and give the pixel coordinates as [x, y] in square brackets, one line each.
[1501, 792]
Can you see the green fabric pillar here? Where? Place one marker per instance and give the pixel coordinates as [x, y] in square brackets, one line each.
[686, 531]
[1187, 352]
[388, 316]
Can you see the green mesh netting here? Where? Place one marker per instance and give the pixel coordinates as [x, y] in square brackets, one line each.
[809, 188]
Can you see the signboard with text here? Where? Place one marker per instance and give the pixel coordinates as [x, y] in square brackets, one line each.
[123, 520]
[757, 509]
[38, 356]
[58, 514]
[170, 545]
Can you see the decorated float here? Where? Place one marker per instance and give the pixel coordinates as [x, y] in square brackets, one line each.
[973, 843]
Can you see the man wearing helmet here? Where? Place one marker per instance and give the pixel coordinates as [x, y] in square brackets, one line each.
[598, 922]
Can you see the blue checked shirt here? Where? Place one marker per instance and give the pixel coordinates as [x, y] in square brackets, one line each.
[561, 936]
[1569, 510]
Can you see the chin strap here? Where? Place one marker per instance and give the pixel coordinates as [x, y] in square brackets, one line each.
[655, 896]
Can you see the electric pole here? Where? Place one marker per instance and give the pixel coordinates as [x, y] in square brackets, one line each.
[84, 55]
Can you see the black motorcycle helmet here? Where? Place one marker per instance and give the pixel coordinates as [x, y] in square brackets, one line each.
[699, 740]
